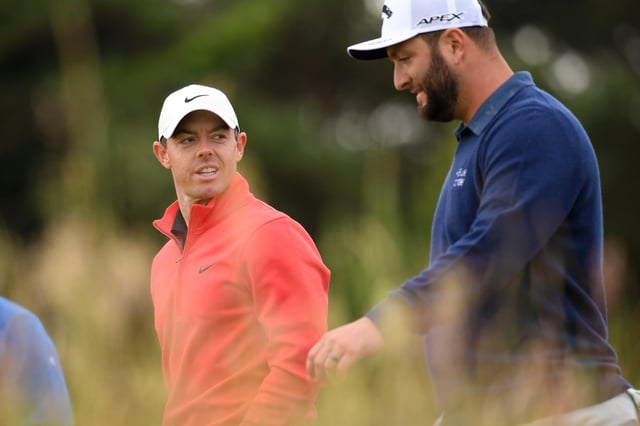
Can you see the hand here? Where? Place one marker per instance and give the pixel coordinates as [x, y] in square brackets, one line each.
[340, 348]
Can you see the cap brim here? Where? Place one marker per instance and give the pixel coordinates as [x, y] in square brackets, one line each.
[377, 48]
[362, 52]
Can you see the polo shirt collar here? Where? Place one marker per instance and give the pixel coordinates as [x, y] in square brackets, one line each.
[495, 103]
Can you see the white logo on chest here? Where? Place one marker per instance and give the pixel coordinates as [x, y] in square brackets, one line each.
[461, 174]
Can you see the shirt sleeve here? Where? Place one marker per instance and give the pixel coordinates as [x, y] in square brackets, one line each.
[290, 290]
[529, 176]
[32, 372]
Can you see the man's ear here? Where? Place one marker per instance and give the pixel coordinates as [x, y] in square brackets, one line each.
[241, 143]
[160, 151]
[453, 43]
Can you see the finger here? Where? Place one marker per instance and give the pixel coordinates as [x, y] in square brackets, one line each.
[323, 364]
[325, 361]
[334, 364]
[313, 358]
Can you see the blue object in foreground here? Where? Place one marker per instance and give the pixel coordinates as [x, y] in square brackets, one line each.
[33, 390]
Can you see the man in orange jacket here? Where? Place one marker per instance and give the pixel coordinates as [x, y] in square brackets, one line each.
[239, 290]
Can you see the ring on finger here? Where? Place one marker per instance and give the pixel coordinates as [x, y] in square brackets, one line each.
[333, 357]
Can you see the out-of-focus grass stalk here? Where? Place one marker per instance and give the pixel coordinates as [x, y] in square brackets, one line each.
[88, 282]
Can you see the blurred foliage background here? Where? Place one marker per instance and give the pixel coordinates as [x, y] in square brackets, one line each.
[330, 143]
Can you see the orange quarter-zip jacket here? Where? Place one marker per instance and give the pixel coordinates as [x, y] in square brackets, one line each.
[240, 296]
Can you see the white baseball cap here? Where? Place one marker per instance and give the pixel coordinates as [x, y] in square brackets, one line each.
[193, 98]
[404, 19]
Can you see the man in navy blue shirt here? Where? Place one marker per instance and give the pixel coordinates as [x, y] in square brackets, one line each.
[33, 390]
[512, 305]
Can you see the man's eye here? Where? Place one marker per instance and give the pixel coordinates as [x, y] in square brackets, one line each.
[187, 140]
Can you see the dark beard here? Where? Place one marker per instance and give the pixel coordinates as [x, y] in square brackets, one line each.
[441, 88]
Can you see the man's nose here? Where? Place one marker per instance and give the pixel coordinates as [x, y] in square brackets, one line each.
[401, 79]
[205, 149]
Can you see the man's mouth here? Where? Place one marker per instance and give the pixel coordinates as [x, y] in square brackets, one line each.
[207, 171]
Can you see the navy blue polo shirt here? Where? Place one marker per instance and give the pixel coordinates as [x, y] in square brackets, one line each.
[515, 274]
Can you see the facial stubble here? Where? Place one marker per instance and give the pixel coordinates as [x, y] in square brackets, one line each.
[441, 88]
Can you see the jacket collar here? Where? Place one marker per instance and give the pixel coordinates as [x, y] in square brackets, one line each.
[202, 217]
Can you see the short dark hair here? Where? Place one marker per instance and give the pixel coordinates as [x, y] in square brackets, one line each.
[236, 133]
[483, 36]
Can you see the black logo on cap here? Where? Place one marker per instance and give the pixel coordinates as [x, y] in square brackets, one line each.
[188, 99]
[447, 17]
[386, 11]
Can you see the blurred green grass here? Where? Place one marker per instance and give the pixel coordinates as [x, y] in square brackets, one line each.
[89, 285]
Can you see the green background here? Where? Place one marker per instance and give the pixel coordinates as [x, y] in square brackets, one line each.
[330, 142]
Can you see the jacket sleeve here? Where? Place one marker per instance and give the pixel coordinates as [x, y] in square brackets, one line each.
[290, 291]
